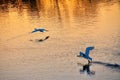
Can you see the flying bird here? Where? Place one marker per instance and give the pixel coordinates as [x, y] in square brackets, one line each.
[86, 54]
[39, 30]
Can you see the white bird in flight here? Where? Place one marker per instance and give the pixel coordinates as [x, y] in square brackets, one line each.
[39, 30]
[86, 54]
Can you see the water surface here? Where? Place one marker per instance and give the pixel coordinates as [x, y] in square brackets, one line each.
[73, 25]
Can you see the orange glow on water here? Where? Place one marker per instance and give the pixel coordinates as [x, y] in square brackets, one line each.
[72, 26]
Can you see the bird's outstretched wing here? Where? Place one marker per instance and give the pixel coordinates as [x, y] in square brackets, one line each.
[39, 29]
[33, 31]
[87, 51]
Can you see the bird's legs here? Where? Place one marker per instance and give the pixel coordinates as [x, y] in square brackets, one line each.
[89, 61]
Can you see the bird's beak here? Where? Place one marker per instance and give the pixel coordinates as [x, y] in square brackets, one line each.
[78, 56]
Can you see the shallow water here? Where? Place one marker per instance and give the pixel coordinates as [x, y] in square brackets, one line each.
[73, 25]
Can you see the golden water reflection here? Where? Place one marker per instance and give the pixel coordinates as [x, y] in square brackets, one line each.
[73, 25]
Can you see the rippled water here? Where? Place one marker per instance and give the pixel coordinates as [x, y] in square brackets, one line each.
[73, 25]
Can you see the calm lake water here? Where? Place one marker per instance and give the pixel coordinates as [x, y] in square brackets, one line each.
[73, 25]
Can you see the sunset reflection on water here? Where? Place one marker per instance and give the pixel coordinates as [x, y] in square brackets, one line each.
[73, 25]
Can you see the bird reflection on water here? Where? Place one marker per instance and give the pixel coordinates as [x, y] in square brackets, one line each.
[86, 68]
[41, 40]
